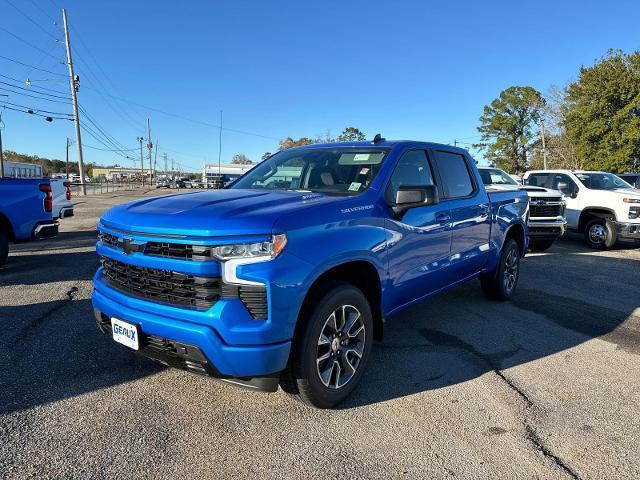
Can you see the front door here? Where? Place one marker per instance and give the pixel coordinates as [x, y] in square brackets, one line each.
[419, 241]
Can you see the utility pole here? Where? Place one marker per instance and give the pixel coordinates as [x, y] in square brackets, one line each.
[74, 82]
[155, 161]
[164, 156]
[544, 145]
[220, 147]
[140, 139]
[455, 142]
[149, 146]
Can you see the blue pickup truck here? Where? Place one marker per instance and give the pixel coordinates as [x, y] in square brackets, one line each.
[289, 274]
[25, 212]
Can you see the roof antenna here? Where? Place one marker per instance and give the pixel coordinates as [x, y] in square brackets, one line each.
[378, 138]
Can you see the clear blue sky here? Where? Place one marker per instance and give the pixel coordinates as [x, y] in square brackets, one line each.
[414, 69]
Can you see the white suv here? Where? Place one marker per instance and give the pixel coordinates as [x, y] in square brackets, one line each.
[600, 205]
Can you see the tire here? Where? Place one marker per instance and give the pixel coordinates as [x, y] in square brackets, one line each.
[501, 284]
[327, 382]
[600, 234]
[4, 249]
[540, 245]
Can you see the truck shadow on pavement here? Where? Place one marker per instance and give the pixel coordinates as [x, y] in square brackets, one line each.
[52, 350]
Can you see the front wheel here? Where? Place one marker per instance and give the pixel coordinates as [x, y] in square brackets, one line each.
[501, 284]
[331, 349]
[600, 233]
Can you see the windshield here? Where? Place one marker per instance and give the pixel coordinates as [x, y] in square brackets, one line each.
[332, 171]
[602, 181]
[495, 176]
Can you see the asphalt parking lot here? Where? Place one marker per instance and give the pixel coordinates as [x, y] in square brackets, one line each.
[545, 386]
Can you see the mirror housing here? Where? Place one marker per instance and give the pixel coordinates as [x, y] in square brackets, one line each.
[411, 196]
[563, 187]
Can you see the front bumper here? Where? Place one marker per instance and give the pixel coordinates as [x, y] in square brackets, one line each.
[628, 230]
[226, 361]
[45, 230]
[547, 228]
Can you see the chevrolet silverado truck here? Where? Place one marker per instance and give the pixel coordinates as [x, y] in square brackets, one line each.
[288, 275]
[61, 191]
[546, 208]
[25, 212]
[600, 205]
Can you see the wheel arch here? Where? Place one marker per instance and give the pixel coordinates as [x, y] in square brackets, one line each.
[589, 213]
[6, 227]
[360, 273]
[517, 233]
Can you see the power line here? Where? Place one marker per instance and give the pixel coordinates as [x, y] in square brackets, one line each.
[38, 109]
[182, 117]
[31, 20]
[31, 66]
[35, 4]
[31, 87]
[31, 90]
[110, 149]
[92, 133]
[28, 43]
[33, 96]
[37, 114]
[106, 135]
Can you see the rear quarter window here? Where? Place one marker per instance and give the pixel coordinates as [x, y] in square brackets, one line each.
[455, 174]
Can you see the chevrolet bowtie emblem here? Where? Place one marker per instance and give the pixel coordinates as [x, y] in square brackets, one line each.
[130, 246]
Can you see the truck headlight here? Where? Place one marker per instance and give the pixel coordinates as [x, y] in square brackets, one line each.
[267, 250]
[631, 200]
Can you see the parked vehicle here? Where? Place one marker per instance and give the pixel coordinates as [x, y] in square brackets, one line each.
[600, 205]
[217, 182]
[61, 192]
[632, 179]
[546, 207]
[288, 277]
[163, 183]
[25, 212]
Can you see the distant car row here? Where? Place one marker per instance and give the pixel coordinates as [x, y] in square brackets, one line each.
[602, 206]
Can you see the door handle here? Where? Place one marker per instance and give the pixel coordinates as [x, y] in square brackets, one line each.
[485, 211]
[443, 218]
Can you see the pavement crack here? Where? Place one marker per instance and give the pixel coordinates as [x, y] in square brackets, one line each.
[537, 442]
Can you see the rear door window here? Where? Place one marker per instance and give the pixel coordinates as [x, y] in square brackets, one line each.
[455, 174]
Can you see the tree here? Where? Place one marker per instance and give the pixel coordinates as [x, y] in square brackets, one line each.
[351, 134]
[290, 143]
[265, 155]
[508, 127]
[602, 112]
[241, 159]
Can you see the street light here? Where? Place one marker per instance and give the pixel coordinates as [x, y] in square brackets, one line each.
[140, 139]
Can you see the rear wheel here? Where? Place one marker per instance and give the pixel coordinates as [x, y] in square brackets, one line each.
[540, 245]
[600, 233]
[501, 284]
[4, 248]
[331, 350]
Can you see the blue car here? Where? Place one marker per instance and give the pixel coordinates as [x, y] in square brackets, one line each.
[287, 276]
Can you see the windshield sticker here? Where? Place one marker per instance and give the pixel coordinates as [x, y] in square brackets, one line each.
[354, 187]
[364, 171]
[361, 157]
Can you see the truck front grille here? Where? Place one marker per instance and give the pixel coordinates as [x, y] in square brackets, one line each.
[164, 286]
[545, 207]
[179, 250]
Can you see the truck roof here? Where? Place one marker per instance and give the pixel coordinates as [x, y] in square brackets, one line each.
[385, 144]
[565, 170]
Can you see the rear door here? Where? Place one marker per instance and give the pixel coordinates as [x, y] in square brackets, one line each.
[419, 241]
[470, 212]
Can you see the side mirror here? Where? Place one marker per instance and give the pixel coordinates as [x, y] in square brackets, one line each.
[411, 196]
[563, 187]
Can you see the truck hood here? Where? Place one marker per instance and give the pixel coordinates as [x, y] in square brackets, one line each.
[530, 189]
[210, 214]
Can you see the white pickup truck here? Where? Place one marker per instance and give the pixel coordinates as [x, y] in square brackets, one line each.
[61, 192]
[546, 207]
[600, 205]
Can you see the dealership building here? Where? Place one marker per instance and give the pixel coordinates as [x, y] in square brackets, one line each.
[230, 171]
